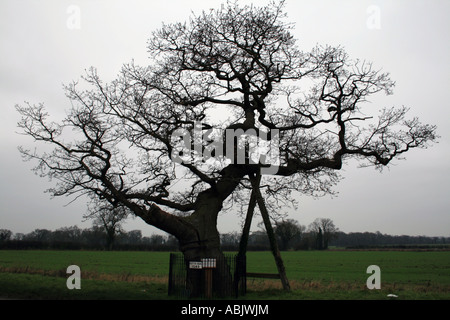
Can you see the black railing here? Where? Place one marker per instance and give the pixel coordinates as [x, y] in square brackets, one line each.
[223, 277]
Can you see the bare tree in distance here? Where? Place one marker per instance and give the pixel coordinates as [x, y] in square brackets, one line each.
[324, 229]
[288, 230]
[109, 218]
[235, 68]
[5, 235]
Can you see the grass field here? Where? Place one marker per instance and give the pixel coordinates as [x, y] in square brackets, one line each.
[143, 275]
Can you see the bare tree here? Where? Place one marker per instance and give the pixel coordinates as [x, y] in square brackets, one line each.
[324, 229]
[109, 218]
[231, 68]
[288, 230]
[5, 235]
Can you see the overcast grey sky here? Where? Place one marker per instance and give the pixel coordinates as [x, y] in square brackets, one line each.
[47, 43]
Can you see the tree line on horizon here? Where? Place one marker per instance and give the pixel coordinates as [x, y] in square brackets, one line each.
[94, 238]
[319, 235]
[323, 234]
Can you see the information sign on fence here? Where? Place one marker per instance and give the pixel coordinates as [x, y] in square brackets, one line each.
[209, 263]
[195, 265]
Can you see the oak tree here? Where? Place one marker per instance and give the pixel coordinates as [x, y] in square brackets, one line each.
[237, 67]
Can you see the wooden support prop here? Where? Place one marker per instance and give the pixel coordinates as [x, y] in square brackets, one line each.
[273, 242]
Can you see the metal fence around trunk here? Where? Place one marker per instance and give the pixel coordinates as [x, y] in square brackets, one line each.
[223, 277]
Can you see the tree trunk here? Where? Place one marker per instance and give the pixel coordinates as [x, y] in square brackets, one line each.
[197, 234]
[205, 244]
[110, 238]
[319, 240]
[198, 239]
[203, 239]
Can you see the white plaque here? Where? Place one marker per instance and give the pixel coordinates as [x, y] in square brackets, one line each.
[209, 263]
[195, 265]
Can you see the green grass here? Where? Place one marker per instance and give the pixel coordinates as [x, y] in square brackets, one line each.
[350, 266]
[144, 263]
[342, 274]
[104, 275]
[143, 275]
[33, 286]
